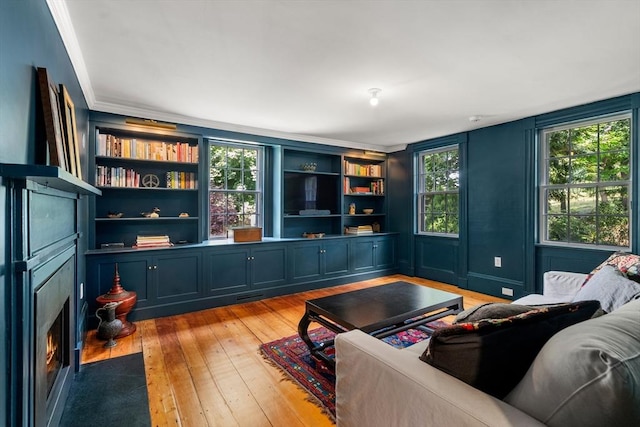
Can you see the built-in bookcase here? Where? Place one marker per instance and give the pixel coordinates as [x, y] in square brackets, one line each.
[139, 170]
[319, 188]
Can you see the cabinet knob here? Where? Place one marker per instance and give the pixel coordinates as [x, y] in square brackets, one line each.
[155, 267]
[150, 267]
[253, 257]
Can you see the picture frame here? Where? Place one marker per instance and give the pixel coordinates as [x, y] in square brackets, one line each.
[52, 123]
[70, 131]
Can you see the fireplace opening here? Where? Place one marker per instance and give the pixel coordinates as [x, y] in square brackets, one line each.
[55, 347]
[53, 344]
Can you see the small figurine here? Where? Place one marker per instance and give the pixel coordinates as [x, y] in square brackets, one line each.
[154, 214]
[352, 209]
[183, 215]
[112, 214]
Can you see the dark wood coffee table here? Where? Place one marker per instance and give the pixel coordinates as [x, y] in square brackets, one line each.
[379, 311]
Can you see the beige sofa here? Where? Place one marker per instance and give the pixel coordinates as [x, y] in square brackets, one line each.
[379, 385]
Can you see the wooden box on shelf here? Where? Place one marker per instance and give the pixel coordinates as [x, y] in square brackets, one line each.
[247, 234]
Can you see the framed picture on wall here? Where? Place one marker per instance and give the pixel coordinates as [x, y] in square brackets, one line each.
[70, 132]
[52, 123]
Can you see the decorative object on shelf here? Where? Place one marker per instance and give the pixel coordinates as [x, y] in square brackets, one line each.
[125, 299]
[153, 214]
[111, 214]
[109, 326]
[313, 235]
[309, 167]
[367, 211]
[352, 209]
[247, 234]
[183, 215]
[375, 227]
[150, 181]
[68, 110]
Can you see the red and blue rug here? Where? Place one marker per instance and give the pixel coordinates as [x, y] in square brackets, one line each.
[291, 355]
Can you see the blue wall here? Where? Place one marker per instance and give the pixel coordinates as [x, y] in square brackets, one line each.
[28, 39]
[499, 208]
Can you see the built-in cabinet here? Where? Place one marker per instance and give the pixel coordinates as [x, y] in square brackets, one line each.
[154, 183]
[319, 259]
[240, 268]
[150, 185]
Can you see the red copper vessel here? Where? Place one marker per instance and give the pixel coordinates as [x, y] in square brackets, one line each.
[127, 300]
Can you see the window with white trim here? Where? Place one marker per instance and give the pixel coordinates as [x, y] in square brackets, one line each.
[438, 191]
[235, 187]
[585, 183]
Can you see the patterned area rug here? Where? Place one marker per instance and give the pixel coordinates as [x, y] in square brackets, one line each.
[292, 356]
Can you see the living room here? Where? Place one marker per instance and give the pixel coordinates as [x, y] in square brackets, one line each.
[497, 249]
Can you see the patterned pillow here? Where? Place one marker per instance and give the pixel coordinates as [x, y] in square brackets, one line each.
[492, 355]
[627, 263]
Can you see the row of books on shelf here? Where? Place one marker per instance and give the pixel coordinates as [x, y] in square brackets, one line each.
[132, 148]
[362, 170]
[375, 187]
[360, 229]
[155, 241]
[122, 177]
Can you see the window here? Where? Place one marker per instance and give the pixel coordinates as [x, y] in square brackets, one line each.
[438, 186]
[235, 187]
[586, 183]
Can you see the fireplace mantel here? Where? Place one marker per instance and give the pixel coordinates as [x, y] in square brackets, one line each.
[43, 207]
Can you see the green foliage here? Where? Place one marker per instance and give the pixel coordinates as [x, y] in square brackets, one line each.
[594, 154]
[440, 199]
[233, 182]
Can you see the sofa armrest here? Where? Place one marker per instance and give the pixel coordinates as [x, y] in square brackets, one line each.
[562, 284]
[377, 384]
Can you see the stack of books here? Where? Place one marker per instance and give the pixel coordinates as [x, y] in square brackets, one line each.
[360, 229]
[160, 241]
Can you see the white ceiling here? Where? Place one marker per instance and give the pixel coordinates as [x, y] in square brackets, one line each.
[301, 69]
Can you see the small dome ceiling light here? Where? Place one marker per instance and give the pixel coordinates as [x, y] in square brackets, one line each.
[374, 96]
[475, 118]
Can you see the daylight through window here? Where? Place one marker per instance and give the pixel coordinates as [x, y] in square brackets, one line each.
[586, 183]
[235, 187]
[438, 186]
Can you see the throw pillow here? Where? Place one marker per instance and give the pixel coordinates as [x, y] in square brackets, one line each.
[625, 262]
[491, 310]
[610, 287]
[492, 355]
[587, 374]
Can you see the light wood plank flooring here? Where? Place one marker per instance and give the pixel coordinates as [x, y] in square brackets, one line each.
[204, 368]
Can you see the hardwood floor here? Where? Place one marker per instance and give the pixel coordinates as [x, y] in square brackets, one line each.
[204, 368]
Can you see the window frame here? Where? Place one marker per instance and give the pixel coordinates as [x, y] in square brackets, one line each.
[260, 181]
[543, 178]
[421, 191]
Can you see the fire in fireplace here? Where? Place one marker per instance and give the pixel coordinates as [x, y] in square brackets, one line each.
[53, 344]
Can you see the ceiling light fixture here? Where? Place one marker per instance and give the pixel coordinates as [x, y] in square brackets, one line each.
[374, 96]
[475, 118]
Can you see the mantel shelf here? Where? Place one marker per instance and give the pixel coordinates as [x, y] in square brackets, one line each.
[48, 176]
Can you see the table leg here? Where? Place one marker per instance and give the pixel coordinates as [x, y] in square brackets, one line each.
[303, 330]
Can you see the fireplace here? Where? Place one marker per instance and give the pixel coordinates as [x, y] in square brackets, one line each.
[53, 343]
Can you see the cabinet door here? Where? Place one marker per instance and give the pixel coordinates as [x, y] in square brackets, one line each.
[134, 276]
[268, 266]
[385, 252]
[177, 276]
[336, 257]
[362, 254]
[305, 261]
[228, 271]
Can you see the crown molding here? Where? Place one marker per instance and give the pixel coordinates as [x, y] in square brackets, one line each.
[114, 108]
[60, 14]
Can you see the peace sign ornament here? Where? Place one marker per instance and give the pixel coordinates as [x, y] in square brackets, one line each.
[150, 180]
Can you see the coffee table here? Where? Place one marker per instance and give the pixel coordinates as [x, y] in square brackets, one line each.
[379, 311]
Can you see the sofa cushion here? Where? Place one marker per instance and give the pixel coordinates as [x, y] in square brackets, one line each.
[627, 263]
[491, 310]
[493, 354]
[609, 286]
[587, 374]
